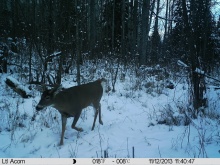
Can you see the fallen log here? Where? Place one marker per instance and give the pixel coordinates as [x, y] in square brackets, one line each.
[17, 87]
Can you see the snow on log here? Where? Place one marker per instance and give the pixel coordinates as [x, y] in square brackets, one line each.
[18, 87]
[180, 63]
[199, 71]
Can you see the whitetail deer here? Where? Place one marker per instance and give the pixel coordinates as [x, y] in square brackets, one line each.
[70, 102]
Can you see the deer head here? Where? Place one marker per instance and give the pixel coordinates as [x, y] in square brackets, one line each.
[47, 98]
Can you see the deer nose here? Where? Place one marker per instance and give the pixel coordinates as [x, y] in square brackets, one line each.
[39, 107]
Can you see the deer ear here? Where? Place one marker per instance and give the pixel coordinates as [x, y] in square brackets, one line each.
[58, 89]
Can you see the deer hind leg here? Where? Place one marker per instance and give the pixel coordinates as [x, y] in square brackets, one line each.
[64, 119]
[76, 117]
[100, 118]
[97, 108]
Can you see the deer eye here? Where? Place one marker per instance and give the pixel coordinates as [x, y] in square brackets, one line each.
[47, 97]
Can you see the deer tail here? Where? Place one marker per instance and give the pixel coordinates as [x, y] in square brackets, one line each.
[103, 82]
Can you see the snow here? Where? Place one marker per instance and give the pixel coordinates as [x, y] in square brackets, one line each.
[130, 119]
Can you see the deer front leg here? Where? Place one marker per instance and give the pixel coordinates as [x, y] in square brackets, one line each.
[64, 119]
[76, 117]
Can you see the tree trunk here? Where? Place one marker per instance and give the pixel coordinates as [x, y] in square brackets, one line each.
[166, 16]
[145, 31]
[123, 32]
[197, 94]
[78, 51]
[113, 27]
[92, 39]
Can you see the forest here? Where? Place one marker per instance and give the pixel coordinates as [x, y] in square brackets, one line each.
[160, 59]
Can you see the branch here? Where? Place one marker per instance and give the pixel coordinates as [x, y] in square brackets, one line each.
[197, 70]
[209, 77]
[55, 54]
[162, 17]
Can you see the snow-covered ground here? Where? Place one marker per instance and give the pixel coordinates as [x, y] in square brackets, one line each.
[130, 120]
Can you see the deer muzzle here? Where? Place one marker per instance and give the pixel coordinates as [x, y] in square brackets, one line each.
[39, 107]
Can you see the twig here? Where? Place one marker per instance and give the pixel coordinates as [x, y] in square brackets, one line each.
[128, 149]
[100, 142]
[133, 151]
[57, 152]
[159, 151]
